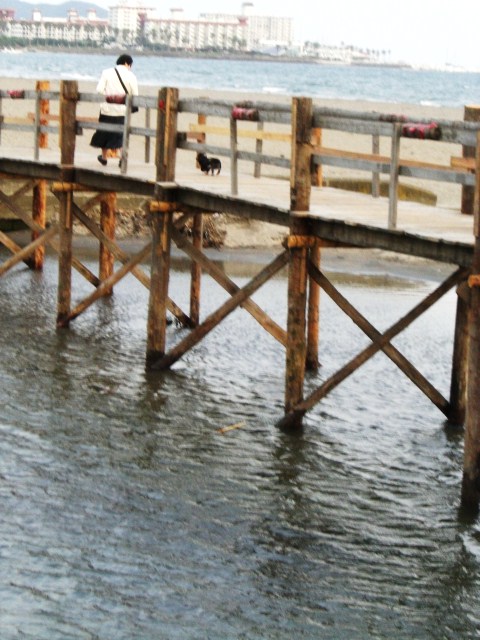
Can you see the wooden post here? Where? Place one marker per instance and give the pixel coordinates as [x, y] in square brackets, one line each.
[233, 157]
[471, 113]
[202, 120]
[196, 270]
[458, 383]
[166, 145]
[313, 312]
[375, 174]
[107, 225]
[300, 189]
[68, 130]
[160, 274]
[317, 169]
[471, 468]
[147, 138]
[39, 215]
[126, 135]
[44, 108]
[394, 173]
[64, 295]
[257, 167]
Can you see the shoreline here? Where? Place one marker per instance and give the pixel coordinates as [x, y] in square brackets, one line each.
[251, 56]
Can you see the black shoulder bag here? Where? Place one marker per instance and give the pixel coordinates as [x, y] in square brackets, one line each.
[134, 109]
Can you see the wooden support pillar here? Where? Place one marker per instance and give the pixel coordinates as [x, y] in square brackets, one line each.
[68, 129]
[65, 255]
[44, 109]
[196, 270]
[471, 113]
[68, 109]
[39, 215]
[296, 343]
[160, 274]
[166, 141]
[471, 468]
[300, 189]
[107, 225]
[313, 312]
[458, 384]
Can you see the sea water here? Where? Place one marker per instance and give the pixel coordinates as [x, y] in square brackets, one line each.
[381, 84]
[128, 514]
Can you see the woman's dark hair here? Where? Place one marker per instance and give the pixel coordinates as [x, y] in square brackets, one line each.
[125, 59]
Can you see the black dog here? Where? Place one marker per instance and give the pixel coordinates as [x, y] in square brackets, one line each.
[208, 165]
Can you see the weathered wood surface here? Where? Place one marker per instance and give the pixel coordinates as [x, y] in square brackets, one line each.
[256, 134]
[210, 267]
[300, 189]
[471, 474]
[211, 321]
[339, 216]
[380, 342]
[458, 172]
[471, 114]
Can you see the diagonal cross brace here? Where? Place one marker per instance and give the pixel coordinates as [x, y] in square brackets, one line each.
[380, 342]
[23, 254]
[222, 312]
[224, 281]
[105, 286]
[34, 226]
[120, 255]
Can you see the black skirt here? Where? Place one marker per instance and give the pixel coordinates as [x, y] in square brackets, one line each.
[108, 139]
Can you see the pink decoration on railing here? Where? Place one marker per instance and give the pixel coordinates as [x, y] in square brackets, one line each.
[119, 99]
[243, 113]
[429, 131]
[16, 93]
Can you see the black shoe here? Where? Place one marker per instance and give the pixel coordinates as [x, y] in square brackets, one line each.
[102, 160]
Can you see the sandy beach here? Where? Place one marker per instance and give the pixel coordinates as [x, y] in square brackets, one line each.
[240, 233]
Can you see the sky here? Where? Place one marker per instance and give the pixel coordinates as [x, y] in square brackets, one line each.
[428, 32]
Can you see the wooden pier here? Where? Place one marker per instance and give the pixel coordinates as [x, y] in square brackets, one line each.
[313, 217]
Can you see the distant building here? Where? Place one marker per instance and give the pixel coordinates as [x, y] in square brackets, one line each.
[125, 19]
[133, 24]
[72, 29]
[244, 31]
[262, 33]
[193, 35]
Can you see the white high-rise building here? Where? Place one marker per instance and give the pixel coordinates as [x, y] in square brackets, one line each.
[132, 22]
[261, 32]
[125, 17]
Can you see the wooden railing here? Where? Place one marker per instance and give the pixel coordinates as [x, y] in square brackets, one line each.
[248, 121]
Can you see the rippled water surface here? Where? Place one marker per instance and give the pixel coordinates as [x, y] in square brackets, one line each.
[127, 515]
[384, 84]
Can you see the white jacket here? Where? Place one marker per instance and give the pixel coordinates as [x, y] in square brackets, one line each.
[109, 85]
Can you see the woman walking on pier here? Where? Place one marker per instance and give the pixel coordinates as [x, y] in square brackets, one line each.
[114, 84]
